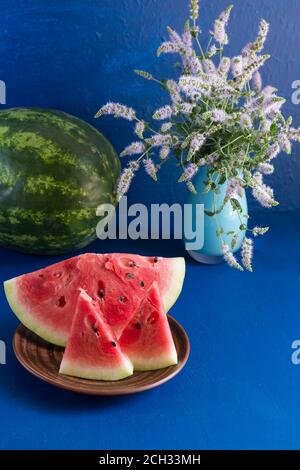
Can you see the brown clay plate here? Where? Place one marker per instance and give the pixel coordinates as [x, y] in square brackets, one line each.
[43, 359]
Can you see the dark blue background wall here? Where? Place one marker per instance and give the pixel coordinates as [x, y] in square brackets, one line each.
[75, 55]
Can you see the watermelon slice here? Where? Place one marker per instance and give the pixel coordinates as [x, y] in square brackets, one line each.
[147, 339]
[45, 301]
[92, 351]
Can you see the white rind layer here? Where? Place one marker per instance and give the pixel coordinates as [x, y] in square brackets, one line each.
[155, 362]
[96, 373]
[175, 288]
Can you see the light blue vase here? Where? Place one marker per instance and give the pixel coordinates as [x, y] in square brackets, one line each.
[229, 219]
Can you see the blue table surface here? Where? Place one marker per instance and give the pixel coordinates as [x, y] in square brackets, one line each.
[238, 390]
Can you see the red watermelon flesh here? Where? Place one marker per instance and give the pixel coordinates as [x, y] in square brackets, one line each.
[147, 339]
[92, 351]
[45, 301]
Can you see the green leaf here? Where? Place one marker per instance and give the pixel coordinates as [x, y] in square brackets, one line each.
[177, 152]
[164, 84]
[222, 180]
[187, 25]
[209, 213]
[142, 73]
[236, 205]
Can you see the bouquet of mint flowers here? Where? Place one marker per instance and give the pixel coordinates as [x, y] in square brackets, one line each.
[220, 115]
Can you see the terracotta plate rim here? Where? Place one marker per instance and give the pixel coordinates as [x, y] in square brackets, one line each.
[63, 382]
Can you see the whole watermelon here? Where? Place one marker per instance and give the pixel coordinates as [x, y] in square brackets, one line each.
[55, 170]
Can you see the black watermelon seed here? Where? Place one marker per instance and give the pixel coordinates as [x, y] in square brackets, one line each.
[122, 298]
[142, 284]
[113, 344]
[130, 275]
[101, 294]
[155, 259]
[62, 301]
[95, 328]
[138, 326]
[132, 264]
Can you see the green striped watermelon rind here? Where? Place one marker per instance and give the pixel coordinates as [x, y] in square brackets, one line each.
[11, 291]
[55, 171]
